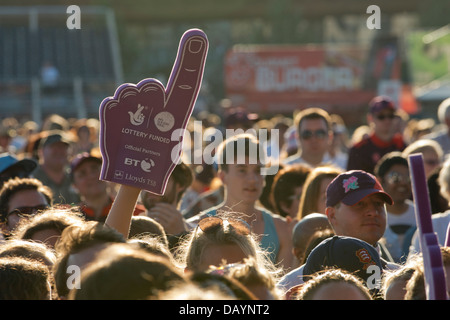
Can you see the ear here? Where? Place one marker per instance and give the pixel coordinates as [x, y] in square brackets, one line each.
[331, 214]
[222, 176]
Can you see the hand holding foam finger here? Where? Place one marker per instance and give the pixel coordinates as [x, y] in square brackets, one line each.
[137, 124]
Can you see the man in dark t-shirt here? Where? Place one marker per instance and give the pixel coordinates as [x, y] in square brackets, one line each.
[365, 154]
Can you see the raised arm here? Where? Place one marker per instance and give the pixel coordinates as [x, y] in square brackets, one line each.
[122, 209]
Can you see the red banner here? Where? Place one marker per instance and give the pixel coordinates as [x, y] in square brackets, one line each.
[285, 78]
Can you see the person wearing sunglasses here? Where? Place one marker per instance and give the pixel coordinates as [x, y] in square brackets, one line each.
[393, 173]
[314, 134]
[240, 162]
[382, 139]
[20, 199]
[287, 189]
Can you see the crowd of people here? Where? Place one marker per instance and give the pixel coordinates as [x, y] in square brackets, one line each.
[335, 220]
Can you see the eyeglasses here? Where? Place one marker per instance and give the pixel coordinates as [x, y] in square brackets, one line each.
[395, 177]
[308, 134]
[212, 224]
[27, 211]
[381, 117]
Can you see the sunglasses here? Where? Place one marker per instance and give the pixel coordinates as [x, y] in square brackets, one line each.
[381, 117]
[395, 177]
[211, 224]
[308, 134]
[27, 211]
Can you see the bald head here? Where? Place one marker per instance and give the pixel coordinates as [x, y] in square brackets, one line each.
[305, 229]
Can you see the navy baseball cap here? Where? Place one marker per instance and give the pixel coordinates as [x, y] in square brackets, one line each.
[350, 254]
[11, 167]
[352, 186]
[380, 103]
[81, 158]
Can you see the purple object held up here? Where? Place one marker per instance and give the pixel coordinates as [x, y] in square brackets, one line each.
[447, 238]
[433, 266]
[142, 126]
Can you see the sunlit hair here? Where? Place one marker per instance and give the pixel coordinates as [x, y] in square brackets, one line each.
[23, 279]
[251, 274]
[415, 288]
[444, 180]
[123, 271]
[311, 189]
[421, 145]
[309, 289]
[76, 238]
[404, 273]
[54, 218]
[190, 252]
[29, 250]
[312, 114]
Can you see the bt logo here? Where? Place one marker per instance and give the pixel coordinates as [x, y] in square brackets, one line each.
[145, 164]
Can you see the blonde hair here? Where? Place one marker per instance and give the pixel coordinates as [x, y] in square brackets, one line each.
[308, 290]
[444, 180]
[190, 252]
[311, 189]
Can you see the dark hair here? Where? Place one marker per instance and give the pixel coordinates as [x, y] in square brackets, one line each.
[123, 271]
[76, 238]
[312, 114]
[388, 161]
[12, 186]
[23, 279]
[143, 225]
[183, 176]
[54, 219]
[284, 184]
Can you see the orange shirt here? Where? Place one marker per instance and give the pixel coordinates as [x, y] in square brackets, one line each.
[90, 214]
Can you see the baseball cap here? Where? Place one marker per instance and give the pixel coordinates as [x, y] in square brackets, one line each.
[352, 186]
[53, 137]
[11, 167]
[82, 157]
[380, 103]
[350, 254]
[240, 117]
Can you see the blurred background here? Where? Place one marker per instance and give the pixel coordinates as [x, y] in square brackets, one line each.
[267, 56]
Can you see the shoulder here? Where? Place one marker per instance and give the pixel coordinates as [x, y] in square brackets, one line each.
[294, 159]
[443, 216]
[277, 219]
[282, 226]
[361, 143]
[291, 279]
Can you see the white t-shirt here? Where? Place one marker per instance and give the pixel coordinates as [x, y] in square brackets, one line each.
[291, 279]
[393, 240]
[406, 218]
[440, 222]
